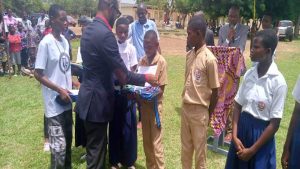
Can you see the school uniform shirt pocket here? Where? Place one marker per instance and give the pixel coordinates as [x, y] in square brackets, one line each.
[199, 77]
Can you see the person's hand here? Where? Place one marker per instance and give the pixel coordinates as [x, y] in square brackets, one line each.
[285, 159]
[64, 95]
[152, 79]
[231, 34]
[245, 154]
[238, 144]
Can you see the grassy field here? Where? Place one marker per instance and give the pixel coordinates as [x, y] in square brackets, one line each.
[21, 118]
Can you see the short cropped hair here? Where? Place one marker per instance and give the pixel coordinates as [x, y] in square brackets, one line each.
[54, 10]
[104, 4]
[269, 39]
[151, 34]
[198, 23]
[122, 21]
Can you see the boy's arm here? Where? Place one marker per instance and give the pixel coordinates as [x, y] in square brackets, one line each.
[213, 101]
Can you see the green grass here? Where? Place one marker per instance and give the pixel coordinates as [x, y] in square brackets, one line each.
[21, 118]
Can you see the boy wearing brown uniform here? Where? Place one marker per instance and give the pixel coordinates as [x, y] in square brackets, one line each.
[199, 95]
[152, 134]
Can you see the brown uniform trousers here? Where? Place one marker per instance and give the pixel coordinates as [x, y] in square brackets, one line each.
[152, 137]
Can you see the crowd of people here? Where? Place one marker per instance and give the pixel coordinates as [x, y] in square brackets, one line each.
[106, 115]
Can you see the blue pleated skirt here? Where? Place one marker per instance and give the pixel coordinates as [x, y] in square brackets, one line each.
[294, 161]
[249, 131]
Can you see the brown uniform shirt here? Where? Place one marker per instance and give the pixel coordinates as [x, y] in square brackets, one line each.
[201, 76]
[161, 71]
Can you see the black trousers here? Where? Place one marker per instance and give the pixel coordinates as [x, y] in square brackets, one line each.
[60, 139]
[96, 145]
[24, 57]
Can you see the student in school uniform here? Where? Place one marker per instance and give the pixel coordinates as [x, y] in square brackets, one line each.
[122, 129]
[199, 96]
[291, 151]
[152, 135]
[258, 109]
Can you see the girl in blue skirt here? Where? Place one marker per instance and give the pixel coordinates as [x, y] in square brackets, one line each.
[258, 109]
[291, 151]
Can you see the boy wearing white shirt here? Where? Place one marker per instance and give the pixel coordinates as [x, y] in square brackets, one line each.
[123, 129]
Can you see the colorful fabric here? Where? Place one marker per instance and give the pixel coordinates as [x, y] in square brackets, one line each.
[231, 66]
[14, 43]
[149, 94]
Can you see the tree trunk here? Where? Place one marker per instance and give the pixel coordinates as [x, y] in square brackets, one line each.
[183, 20]
[296, 32]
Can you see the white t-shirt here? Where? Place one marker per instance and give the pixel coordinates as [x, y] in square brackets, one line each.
[296, 91]
[41, 23]
[263, 97]
[128, 54]
[57, 67]
[79, 58]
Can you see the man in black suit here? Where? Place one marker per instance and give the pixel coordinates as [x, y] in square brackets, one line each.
[102, 64]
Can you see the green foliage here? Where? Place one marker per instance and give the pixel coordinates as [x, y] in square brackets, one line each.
[23, 5]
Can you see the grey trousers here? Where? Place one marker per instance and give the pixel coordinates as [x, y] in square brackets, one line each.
[60, 139]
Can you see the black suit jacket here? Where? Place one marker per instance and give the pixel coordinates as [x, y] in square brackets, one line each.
[101, 60]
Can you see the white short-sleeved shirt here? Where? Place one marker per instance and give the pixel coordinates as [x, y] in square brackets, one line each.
[128, 54]
[263, 97]
[57, 68]
[296, 91]
[79, 57]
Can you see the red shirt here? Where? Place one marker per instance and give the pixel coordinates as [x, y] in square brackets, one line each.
[47, 31]
[14, 43]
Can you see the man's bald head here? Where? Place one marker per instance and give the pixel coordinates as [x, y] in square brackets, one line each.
[234, 15]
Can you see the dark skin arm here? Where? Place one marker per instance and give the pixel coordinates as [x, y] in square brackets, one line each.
[286, 150]
[247, 153]
[236, 116]
[213, 101]
[63, 93]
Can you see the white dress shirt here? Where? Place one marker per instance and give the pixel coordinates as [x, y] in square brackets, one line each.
[263, 97]
[296, 91]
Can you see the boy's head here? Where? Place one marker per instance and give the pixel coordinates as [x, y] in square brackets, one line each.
[129, 18]
[11, 29]
[122, 26]
[267, 21]
[264, 45]
[20, 26]
[151, 44]
[196, 31]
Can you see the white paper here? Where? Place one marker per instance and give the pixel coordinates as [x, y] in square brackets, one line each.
[74, 92]
[147, 70]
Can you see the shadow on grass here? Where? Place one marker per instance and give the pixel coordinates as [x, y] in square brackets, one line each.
[78, 152]
[178, 110]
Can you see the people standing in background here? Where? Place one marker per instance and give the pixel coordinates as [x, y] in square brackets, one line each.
[69, 35]
[42, 21]
[27, 25]
[138, 29]
[15, 47]
[24, 43]
[9, 19]
[233, 34]
[48, 28]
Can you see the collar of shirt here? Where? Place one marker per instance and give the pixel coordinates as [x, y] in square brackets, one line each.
[199, 50]
[272, 71]
[154, 61]
[104, 20]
